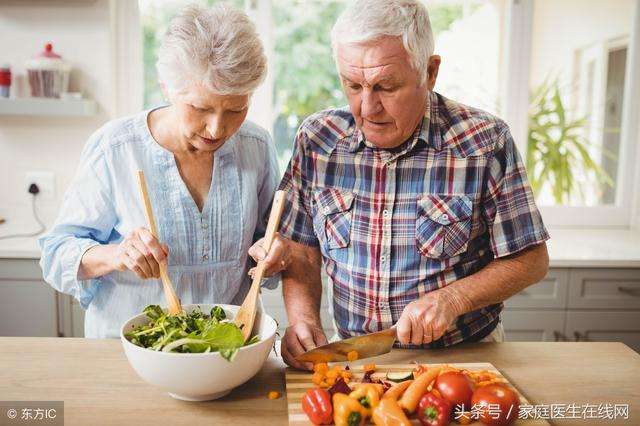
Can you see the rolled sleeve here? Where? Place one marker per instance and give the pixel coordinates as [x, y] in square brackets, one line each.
[297, 221]
[86, 219]
[513, 219]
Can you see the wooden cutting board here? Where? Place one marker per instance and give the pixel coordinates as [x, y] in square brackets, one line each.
[298, 382]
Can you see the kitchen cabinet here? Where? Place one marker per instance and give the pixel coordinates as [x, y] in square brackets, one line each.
[578, 304]
[605, 326]
[29, 305]
[550, 293]
[534, 325]
[71, 317]
[596, 304]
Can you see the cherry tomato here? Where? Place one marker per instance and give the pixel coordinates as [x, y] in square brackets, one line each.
[503, 398]
[456, 388]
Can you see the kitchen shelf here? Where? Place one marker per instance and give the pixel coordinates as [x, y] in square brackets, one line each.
[48, 107]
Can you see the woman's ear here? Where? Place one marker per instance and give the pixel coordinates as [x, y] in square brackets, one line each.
[432, 70]
[165, 92]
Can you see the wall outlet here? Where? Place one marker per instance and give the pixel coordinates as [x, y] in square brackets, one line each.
[46, 182]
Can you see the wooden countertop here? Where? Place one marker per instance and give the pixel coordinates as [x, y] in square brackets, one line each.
[98, 386]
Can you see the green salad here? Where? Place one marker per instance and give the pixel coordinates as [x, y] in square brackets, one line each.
[194, 332]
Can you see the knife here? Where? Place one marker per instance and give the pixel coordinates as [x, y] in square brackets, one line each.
[367, 345]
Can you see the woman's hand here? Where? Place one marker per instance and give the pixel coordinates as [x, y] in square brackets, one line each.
[278, 258]
[141, 253]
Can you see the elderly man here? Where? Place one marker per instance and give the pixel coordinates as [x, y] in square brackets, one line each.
[417, 207]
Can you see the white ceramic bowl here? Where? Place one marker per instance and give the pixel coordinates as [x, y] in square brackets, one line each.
[200, 376]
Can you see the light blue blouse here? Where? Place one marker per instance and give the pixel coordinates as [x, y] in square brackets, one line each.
[208, 259]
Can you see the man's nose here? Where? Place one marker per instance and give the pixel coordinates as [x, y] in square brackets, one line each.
[215, 127]
[371, 105]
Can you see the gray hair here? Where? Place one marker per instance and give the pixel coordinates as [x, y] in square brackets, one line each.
[365, 21]
[217, 46]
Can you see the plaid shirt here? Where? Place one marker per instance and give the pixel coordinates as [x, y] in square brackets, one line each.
[395, 224]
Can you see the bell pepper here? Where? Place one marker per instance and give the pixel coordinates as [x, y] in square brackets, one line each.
[348, 411]
[434, 410]
[316, 403]
[389, 413]
[368, 395]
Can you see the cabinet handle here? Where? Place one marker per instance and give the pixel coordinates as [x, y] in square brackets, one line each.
[580, 337]
[629, 290]
[559, 337]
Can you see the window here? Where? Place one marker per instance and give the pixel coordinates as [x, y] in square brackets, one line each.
[578, 134]
[557, 72]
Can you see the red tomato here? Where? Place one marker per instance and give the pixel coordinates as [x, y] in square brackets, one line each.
[456, 388]
[498, 404]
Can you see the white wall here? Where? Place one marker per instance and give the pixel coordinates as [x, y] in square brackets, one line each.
[80, 32]
[561, 27]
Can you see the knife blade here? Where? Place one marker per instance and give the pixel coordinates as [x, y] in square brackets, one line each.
[367, 345]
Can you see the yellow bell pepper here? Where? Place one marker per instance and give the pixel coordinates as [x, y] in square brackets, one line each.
[389, 413]
[348, 411]
[368, 395]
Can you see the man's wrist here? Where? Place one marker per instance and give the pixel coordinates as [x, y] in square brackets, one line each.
[458, 301]
[313, 322]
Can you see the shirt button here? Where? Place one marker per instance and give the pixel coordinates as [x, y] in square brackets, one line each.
[445, 216]
[382, 305]
[383, 258]
[385, 212]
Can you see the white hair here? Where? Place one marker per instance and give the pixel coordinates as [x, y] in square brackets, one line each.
[216, 46]
[365, 21]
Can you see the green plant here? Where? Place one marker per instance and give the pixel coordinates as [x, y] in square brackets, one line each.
[557, 149]
[193, 332]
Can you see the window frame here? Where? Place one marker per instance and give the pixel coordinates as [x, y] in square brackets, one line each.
[518, 50]
[517, 42]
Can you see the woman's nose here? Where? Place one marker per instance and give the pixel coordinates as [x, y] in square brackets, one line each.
[215, 127]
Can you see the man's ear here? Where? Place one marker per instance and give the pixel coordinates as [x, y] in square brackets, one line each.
[432, 70]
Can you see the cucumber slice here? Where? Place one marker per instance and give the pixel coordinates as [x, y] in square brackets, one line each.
[400, 376]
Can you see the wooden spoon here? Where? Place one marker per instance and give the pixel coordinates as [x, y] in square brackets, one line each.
[247, 313]
[172, 300]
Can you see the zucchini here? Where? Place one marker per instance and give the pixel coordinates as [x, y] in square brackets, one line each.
[400, 376]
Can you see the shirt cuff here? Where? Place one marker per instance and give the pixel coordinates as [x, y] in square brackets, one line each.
[510, 247]
[82, 290]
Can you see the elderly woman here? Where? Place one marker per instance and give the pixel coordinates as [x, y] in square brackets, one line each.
[211, 177]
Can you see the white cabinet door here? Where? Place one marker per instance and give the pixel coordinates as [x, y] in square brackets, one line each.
[605, 326]
[550, 293]
[533, 326]
[604, 289]
[29, 305]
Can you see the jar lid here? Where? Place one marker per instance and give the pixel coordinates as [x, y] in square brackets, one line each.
[48, 52]
[48, 60]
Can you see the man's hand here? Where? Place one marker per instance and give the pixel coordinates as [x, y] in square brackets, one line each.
[278, 258]
[426, 319]
[299, 338]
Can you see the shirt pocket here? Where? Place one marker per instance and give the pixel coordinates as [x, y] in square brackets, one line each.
[334, 213]
[443, 225]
